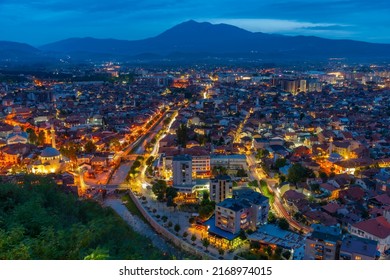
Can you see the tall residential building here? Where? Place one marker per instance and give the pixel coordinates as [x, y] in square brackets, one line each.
[221, 188]
[201, 166]
[247, 210]
[182, 173]
[323, 243]
[302, 86]
[290, 86]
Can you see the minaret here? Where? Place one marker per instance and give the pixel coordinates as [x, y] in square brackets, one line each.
[330, 145]
[53, 136]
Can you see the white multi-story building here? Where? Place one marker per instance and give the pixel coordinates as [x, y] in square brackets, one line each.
[247, 210]
[182, 173]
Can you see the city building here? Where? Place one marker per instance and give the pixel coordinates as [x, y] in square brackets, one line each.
[182, 173]
[247, 210]
[231, 162]
[17, 136]
[356, 248]
[377, 229]
[323, 243]
[49, 161]
[221, 188]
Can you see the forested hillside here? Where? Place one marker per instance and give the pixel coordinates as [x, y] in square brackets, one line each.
[39, 221]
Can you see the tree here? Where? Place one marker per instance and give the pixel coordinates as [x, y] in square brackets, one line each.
[185, 234]
[282, 179]
[48, 223]
[191, 220]
[193, 239]
[182, 135]
[149, 160]
[206, 207]
[271, 217]
[278, 252]
[136, 164]
[286, 255]
[221, 252]
[253, 184]
[205, 211]
[283, 224]
[205, 243]
[323, 176]
[268, 250]
[171, 193]
[280, 162]
[315, 188]
[177, 228]
[219, 170]
[221, 141]
[98, 254]
[70, 150]
[90, 147]
[32, 136]
[41, 137]
[298, 173]
[159, 189]
[205, 197]
[261, 153]
[170, 224]
[242, 235]
[241, 173]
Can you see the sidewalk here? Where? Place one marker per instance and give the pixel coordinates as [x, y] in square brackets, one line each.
[140, 227]
[181, 218]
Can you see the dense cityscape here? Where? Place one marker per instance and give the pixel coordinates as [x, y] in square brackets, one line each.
[205, 162]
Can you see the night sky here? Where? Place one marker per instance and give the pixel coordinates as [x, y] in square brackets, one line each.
[43, 21]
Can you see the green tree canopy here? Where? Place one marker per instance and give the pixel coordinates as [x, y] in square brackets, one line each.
[298, 173]
[283, 224]
[159, 189]
[40, 221]
[90, 147]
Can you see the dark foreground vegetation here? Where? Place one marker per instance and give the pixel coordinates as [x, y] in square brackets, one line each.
[40, 221]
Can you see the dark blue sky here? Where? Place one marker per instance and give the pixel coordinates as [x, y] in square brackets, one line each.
[43, 21]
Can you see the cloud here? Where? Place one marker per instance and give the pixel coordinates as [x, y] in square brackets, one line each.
[42, 21]
[277, 25]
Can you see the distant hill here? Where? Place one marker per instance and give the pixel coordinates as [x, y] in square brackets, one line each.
[196, 40]
[15, 51]
[218, 39]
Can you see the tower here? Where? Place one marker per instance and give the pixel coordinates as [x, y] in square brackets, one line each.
[53, 136]
[330, 145]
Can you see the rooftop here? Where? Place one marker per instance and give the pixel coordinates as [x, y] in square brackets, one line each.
[378, 227]
[356, 245]
[328, 233]
[50, 152]
[272, 234]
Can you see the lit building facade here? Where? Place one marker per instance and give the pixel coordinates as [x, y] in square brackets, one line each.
[323, 243]
[247, 210]
[221, 188]
[182, 173]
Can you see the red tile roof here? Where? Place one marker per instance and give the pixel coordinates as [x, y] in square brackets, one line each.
[378, 227]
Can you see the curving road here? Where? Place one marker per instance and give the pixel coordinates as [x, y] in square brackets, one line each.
[259, 174]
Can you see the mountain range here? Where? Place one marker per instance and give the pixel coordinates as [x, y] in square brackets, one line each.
[201, 40]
